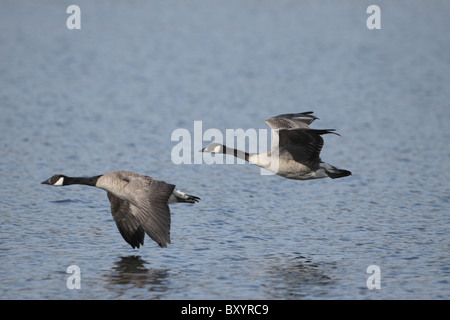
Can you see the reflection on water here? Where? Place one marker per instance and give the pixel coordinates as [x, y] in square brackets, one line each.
[130, 272]
[283, 277]
[64, 110]
[296, 278]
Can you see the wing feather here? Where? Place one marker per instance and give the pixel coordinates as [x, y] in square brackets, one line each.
[129, 227]
[302, 145]
[147, 211]
[153, 213]
[291, 120]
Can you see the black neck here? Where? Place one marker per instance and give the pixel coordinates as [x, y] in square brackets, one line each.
[91, 181]
[237, 153]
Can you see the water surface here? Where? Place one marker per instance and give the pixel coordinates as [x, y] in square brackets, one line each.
[108, 97]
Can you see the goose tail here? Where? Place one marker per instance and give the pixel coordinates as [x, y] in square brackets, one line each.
[334, 172]
[179, 196]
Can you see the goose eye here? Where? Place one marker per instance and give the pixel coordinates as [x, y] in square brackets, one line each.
[126, 180]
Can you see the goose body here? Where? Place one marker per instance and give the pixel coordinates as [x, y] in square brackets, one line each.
[295, 151]
[139, 204]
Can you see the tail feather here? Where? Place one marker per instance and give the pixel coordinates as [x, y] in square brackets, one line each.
[188, 198]
[184, 197]
[334, 172]
[338, 173]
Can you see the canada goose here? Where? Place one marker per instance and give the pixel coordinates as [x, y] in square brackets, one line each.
[295, 149]
[139, 204]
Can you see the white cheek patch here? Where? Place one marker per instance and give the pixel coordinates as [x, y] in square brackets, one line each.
[59, 182]
[216, 149]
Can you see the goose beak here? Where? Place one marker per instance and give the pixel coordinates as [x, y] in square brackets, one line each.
[202, 150]
[46, 182]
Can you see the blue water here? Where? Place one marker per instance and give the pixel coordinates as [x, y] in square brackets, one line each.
[108, 97]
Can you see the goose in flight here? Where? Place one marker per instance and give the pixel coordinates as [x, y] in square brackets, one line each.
[139, 204]
[295, 151]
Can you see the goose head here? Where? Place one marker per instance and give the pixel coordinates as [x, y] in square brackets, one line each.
[214, 148]
[56, 180]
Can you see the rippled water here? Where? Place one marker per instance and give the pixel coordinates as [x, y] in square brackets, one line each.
[108, 97]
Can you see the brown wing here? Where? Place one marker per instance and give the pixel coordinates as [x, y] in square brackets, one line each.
[302, 145]
[129, 227]
[152, 210]
[291, 120]
[147, 213]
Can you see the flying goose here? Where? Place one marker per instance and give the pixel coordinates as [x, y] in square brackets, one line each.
[295, 149]
[139, 204]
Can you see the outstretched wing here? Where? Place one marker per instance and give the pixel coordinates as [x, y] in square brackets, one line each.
[152, 210]
[147, 212]
[302, 145]
[129, 227]
[291, 120]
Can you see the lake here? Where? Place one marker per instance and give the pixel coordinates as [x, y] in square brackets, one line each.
[109, 96]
